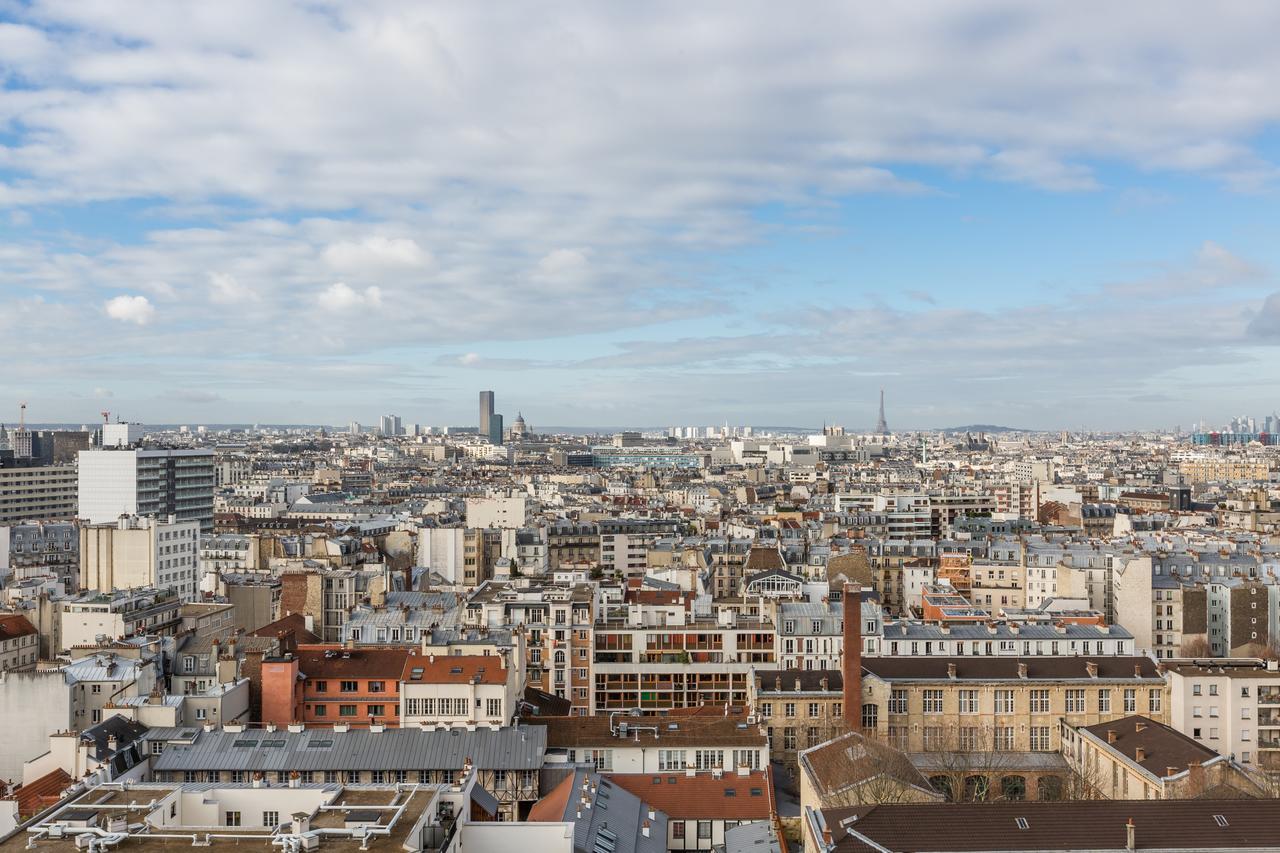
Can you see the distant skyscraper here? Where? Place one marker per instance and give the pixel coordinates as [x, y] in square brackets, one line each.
[390, 425]
[882, 426]
[495, 429]
[353, 428]
[486, 411]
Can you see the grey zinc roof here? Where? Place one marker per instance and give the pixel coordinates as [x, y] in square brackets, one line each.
[511, 748]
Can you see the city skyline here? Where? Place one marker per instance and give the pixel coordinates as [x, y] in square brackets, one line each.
[611, 216]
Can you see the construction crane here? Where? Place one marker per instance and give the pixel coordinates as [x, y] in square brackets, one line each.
[106, 417]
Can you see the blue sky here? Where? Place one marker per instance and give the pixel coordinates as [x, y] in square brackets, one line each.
[647, 215]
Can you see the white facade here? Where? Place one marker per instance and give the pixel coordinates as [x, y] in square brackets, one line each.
[1232, 706]
[511, 512]
[442, 550]
[138, 553]
[177, 482]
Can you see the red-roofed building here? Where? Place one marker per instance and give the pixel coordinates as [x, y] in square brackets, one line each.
[19, 643]
[327, 684]
[701, 806]
[458, 690]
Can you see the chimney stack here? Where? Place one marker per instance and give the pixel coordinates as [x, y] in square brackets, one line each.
[1128, 832]
[1111, 735]
[852, 700]
[1139, 754]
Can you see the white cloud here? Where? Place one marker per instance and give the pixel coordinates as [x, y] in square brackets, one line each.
[374, 253]
[131, 309]
[224, 289]
[341, 297]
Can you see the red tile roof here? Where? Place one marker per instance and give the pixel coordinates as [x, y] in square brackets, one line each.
[385, 664]
[702, 796]
[16, 625]
[551, 807]
[41, 793]
[453, 669]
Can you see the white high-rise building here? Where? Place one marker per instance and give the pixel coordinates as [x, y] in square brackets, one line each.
[134, 553]
[152, 482]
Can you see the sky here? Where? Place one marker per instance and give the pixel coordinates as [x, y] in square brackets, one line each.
[1046, 216]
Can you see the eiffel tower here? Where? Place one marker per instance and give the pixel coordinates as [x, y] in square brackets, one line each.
[882, 427]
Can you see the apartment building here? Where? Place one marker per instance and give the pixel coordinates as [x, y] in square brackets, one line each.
[558, 621]
[19, 643]
[37, 493]
[625, 542]
[327, 684]
[656, 653]
[141, 553]
[811, 634]
[1231, 705]
[92, 618]
[154, 482]
[458, 690]
[1005, 704]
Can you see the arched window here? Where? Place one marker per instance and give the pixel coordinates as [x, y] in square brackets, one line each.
[560, 658]
[941, 784]
[870, 716]
[1049, 787]
[1013, 787]
[976, 788]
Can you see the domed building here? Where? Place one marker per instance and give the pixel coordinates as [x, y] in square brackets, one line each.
[519, 429]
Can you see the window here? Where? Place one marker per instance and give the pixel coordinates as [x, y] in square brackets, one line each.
[671, 759]
[377, 710]
[704, 829]
[1002, 739]
[677, 829]
[766, 709]
[377, 686]
[708, 759]
[968, 740]
[1153, 700]
[1004, 701]
[322, 686]
[814, 711]
[1039, 738]
[789, 738]
[1104, 701]
[271, 819]
[789, 709]
[870, 716]
[349, 686]
[346, 710]
[95, 688]
[932, 738]
[968, 701]
[494, 707]
[1039, 701]
[898, 701]
[602, 759]
[1130, 700]
[322, 710]
[1195, 690]
[933, 701]
[1075, 701]
[231, 819]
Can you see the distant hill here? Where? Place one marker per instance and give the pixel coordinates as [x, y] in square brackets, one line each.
[983, 428]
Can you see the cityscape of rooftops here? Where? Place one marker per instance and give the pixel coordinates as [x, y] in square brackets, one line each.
[639, 428]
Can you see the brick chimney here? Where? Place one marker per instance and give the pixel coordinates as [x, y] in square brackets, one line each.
[852, 700]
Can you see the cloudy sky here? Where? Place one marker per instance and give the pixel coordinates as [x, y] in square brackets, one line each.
[1043, 215]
